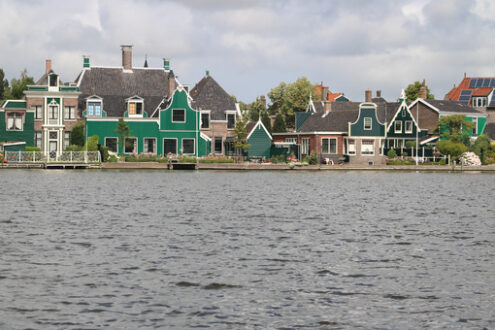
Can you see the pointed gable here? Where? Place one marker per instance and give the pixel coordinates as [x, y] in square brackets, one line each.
[209, 95]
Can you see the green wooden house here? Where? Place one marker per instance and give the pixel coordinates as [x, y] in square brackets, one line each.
[259, 140]
[174, 131]
[16, 126]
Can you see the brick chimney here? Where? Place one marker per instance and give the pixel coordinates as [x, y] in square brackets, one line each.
[48, 65]
[422, 91]
[324, 93]
[378, 93]
[327, 106]
[127, 57]
[367, 95]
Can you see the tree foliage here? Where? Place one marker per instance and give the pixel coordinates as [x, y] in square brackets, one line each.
[240, 135]
[77, 134]
[454, 128]
[265, 119]
[254, 109]
[452, 148]
[18, 86]
[123, 132]
[4, 84]
[482, 147]
[279, 124]
[412, 91]
[92, 144]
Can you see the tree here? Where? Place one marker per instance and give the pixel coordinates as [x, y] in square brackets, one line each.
[279, 124]
[454, 128]
[265, 119]
[92, 144]
[123, 132]
[77, 134]
[4, 83]
[482, 147]
[454, 149]
[240, 135]
[255, 108]
[412, 91]
[18, 86]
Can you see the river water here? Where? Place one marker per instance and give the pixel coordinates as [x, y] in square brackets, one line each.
[246, 250]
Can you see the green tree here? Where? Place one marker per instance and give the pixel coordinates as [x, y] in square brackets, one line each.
[77, 134]
[92, 144]
[4, 83]
[279, 124]
[482, 147]
[412, 91]
[454, 128]
[240, 135]
[452, 148]
[123, 132]
[18, 86]
[265, 119]
[254, 109]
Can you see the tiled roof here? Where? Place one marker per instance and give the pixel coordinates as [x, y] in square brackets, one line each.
[482, 91]
[115, 86]
[43, 81]
[452, 106]
[249, 126]
[209, 95]
[333, 96]
[465, 84]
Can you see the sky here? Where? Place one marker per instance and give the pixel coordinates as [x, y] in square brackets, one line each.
[250, 46]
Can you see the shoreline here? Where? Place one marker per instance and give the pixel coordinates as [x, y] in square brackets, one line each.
[275, 167]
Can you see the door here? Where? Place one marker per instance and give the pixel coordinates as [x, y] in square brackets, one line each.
[53, 149]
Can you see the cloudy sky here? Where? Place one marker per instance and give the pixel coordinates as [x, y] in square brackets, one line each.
[250, 46]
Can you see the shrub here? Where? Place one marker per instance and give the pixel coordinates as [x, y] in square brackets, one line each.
[104, 153]
[311, 159]
[32, 149]
[186, 159]
[140, 158]
[410, 144]
[391, 154]
[211, 160]
[91, 144]
[73, 147]
[112, 159]
[278, 159]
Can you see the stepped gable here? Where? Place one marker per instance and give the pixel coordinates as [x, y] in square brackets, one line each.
[209, 95]
[115, 85]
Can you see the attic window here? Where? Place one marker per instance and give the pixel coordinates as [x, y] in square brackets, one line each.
[94, 109]
[178, 115]
[135, 108]
[53, 80]
[367, 123]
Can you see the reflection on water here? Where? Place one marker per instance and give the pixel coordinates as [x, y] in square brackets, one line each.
[130, 249]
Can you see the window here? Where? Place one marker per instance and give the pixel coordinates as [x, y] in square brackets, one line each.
[135, 108]
[37, 139]
[53, 80]
[398, 126]
[367, 123]
[218, 145]
[69, 113]
[38, 111]
[53, 135]
[205, 120]
[328, 146]
[178, 116]
[409, 126]
[150, 145]
[305, 146]
[66, 139]
[94, 109]
[291, 140]
[169, 146]
[351, 147]
[111, 144]
[230, 120]
[367, 147]
[403, 112]
[53, 111]
[187, 146]
[130, 145]
[14, 121]
[475, 123]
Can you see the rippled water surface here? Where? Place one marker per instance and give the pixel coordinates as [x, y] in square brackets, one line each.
[234, 250]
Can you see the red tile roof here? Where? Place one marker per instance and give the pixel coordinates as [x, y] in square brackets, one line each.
[482, 91]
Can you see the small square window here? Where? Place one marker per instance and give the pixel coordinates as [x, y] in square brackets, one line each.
[14, 121]
[111, 144]
[187, 146]
[409, 126]
[367, 123]
[398, 126]
[178, 115]
[150, 145]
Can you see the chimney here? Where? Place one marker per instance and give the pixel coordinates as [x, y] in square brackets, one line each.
[422, 91]
[127, 57]
[378, 93]
[327, 106]
[324, 93]
[166, 64]
[48, 65]
[172, 83]
[367, 95]
[86, 61]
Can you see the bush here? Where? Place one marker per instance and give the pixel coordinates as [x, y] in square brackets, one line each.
[278, 159]
[410, 144]
[211, 160]
[112, 159]
[77, 134]
[391, 154]
[311, 159]
[73, 147]
[186, 159]
[32, 149]
[92, 144]
[454, 149]
[104, 153]
[404, 154]
[140, 158]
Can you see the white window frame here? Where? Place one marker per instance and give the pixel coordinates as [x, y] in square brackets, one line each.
[94, 100]
[372, 153]
[368, 121]
[135, 101]
[201, 118]
[135, 149]
[38, 139]
[117, 144]
[163, 145]
[227, 114]
[329, 151]
[66, 141]
[15, 118]
[38, 112]
[398, 126]
[351, 142]
[474, 120]
[291, 140]
[410, 124]
[182, 146]
[145, 145]
[69, 112]
[174, 121]
[305, 146]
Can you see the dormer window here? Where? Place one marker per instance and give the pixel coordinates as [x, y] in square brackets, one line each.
[135, 106]
[53, 80]
[94, 106]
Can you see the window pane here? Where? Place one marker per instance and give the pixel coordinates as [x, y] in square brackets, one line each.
[139, 108]
[333, 146]
[169, 146]
[149, 145]
[178, 115]
[324, 146]
[98, 109]
[187, 146]
[218, 145]
[205, 120]
[111, 143]
[132, 108]
[230, 121]
[130, 145]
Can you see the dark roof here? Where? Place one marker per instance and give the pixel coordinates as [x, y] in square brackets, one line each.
[115, 86]
[209, 95]
[318, 106]
[378, 100]
[452, 106]
[250, 125]
[490, 130]
[43, 81]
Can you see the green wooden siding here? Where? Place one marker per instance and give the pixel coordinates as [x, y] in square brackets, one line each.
[403, 115]
[259, 143]
[480, 127]
[179, 101]
[377, 128]
[27, 133]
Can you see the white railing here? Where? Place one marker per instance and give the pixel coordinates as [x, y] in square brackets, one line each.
[64, 157]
